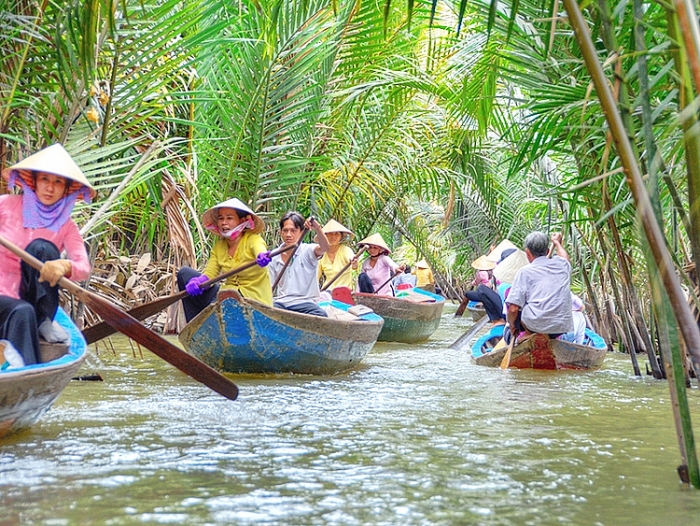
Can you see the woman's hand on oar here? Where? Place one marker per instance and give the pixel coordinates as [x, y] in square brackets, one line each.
[342, 271]
[124, 323]
[141, 312]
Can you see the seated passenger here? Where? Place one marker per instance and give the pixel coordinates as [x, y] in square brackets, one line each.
[486, 290]
[406, 279]
[298, 289]
[39, 222]
[336, 260]
[378, 269]
[239, 242]
[424, 276]
[540, 298]
[579, 332]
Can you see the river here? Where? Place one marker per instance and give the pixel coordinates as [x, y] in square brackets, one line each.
[416, 435]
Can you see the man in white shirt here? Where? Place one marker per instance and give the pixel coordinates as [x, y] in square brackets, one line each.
[298, 289]
[540, 298]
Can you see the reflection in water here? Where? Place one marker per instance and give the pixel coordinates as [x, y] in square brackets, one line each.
[416, 435]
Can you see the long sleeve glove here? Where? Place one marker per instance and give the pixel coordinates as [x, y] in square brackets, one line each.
[263, 259]
[54, 270]
[194, 285]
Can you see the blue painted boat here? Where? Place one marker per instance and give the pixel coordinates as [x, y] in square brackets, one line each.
[476, 309]
[541, 352]
[239, 335]
[26, 393]
[409, 317]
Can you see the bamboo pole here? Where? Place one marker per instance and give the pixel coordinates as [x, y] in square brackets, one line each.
[656, 242]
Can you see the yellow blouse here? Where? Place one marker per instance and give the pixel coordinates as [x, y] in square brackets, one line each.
[424, 276]
[253, 282]
[331, 269]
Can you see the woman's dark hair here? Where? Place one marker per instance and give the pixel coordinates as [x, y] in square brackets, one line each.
[295, 217]
[407, 270]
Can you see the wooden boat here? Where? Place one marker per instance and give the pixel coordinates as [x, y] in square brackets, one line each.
[476, 309]
[541, 352]
[239, 335]
[26, 393]
[410, 317]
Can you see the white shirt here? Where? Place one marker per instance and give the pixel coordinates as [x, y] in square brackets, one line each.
[541, 290]
[299, 283]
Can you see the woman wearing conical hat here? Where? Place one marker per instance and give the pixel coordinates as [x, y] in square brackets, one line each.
[38, 221]
[485, 292]
[239, 242]
[424, 276]
[338, 255]
[378, 268]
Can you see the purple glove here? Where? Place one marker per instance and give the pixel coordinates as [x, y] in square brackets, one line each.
[194, 286]
[263, 259]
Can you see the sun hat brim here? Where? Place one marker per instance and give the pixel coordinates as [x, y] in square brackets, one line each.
[52, 160]
[209, 217]
[333, 226]
[508, 268]
[483, 263]
[377, 241]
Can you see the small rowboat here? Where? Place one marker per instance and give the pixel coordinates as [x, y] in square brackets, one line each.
[541, 352]
[26, 393]
[410, 317]
[476, 309]
[239, 335]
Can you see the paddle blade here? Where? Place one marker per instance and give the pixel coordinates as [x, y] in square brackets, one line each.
[505, 363]
[161, 347]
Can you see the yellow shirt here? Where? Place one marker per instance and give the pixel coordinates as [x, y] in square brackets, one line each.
[253, 282]
[330, 270]
[424, 276]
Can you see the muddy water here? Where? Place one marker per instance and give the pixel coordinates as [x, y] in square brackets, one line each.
[417, 435]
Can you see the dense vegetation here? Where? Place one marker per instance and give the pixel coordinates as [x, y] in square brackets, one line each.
[444, 126]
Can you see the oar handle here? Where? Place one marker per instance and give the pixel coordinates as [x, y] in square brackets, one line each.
[236, 270]
[35, 263]
[342, 271]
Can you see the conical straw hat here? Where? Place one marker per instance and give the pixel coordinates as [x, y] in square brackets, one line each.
[334, 226]
[377, 241]
[483, 263]
[495, 254]
[53, 160]
[422, 264]
[209, 217]
[508, 268]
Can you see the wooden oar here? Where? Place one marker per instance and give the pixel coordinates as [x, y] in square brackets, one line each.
[505, 363]
[103, 329]
[291, 256]
[459, 343]
[126, 324]
[386, 282]
[342, 271]
[462, 306]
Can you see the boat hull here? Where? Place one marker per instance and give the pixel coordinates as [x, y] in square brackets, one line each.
[540, 352]
[476, 310]
[405, 321]
[236, 335]
[28, 392]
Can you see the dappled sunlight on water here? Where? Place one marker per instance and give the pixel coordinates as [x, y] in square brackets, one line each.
[415, 435]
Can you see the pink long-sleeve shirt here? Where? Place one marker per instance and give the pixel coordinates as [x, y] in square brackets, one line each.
[67, 239]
